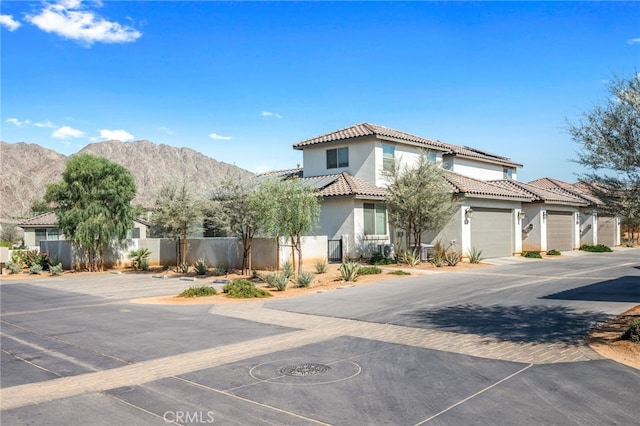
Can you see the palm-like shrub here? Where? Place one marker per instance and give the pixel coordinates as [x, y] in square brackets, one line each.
[305, 279]
[200, 267]
[349, 271]
[139, 258]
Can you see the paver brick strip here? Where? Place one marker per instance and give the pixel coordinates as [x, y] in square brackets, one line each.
[467, 344]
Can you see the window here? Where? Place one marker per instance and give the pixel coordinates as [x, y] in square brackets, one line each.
[507, 173]
[388, 157]
[375, 219]
[41, 235]
[338, 157]
[432, 157]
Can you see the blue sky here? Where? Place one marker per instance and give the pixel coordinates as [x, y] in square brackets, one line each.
[242, 81]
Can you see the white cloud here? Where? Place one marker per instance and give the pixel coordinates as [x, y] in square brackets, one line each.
[165, 130]
[119, 135]
[267, 114]
[17, 122]
[69, 19]
[218, 137]
[9, 23]
[45, 124]
[65, 132]
[634, 40]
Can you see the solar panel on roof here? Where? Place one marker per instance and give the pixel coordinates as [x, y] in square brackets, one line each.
[319, 183]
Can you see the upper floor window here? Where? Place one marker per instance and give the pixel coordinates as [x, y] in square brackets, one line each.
[388, 157]
[432, 157]
[507, 173]
[375, 219]
[338, 157]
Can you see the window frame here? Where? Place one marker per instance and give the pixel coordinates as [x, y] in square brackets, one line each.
[377, 213]
[335, 155]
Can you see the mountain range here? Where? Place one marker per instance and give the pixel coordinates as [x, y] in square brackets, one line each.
[27, 168]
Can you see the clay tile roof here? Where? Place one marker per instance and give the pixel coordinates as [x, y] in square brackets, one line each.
[468, 152]
[387, 133]
[368, 129]
[343, 184]
[550, 196]
[44, 219]
[471, 187]
[579, 189]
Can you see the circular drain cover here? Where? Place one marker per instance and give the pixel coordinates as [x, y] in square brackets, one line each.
[306, 369]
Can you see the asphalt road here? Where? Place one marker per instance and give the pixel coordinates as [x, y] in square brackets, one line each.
[494, 346]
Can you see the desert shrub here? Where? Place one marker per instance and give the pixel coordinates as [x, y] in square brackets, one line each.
[410, 257]
[532, 254]
[628, 242]
[400, 272]
[475, 255]
[439, 253]
[287, 269]
[369, 270]
[165, 267]
[553, 252]
[200, 291]
[139, 257]
[244, 289]
[254, 275]
[14, 268]
[220, 270]
[633, 332]
[56, 269]
[35, 269]
[598, 248]
[183, 267]
[305, 279]
[379, 259]
[280, 281]
[270, 279]
[200, 267]
[452, 258]
[321, 267]
[19, 257]
[349, 271]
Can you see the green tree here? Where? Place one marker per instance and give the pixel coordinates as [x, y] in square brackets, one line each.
[178, 212]
[609, 136]
[40, 206]
[418, 198]
[292, 209]
[93, 205]
[244, 213]
[9, 232]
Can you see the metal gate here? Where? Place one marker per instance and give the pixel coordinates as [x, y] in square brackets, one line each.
[334, 254]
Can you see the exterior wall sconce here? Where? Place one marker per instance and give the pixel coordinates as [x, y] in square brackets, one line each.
[577, 218]
[544, 215]
[521, 215]
[468, 214]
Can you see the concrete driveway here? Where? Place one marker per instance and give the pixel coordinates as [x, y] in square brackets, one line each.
[501, 345]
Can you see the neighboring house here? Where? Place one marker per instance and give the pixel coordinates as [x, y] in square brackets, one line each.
[44, 227]
[347, 167]
[594, 228]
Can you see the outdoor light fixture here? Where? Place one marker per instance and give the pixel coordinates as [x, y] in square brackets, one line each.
[521, 215]
[468, 213]
[577, 218]
[544, 215]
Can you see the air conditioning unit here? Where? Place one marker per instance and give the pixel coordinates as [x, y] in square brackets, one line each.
[387, 250]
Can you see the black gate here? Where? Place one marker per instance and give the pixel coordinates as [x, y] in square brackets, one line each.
[334, 254]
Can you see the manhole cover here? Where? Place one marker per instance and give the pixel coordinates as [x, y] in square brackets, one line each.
[306, 369]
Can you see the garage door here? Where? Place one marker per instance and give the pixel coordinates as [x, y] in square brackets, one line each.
[492, 232]
[607, 230]
[559, 230]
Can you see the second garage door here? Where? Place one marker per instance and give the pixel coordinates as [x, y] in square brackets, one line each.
[492, 232]
[559, 230]
[607, 230]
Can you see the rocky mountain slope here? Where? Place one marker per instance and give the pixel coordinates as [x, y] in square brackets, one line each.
[26, 169]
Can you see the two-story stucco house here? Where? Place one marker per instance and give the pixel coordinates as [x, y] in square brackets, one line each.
[496, 213]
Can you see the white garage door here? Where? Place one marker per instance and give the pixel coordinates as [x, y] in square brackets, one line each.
[559, 230]
[607, 230]
[492, 232]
